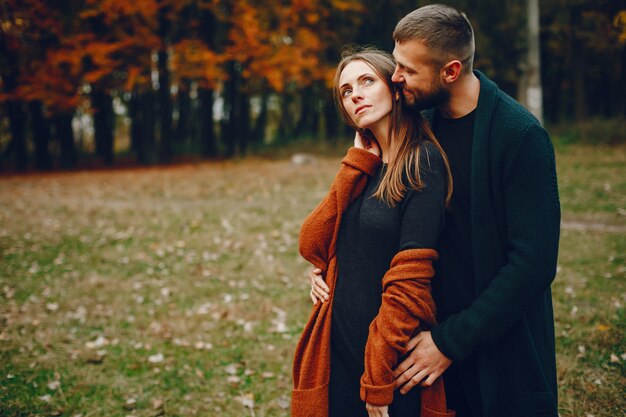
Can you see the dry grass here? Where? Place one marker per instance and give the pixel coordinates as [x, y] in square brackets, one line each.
[179, 291]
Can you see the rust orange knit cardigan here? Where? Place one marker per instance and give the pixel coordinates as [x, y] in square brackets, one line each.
[406, 306]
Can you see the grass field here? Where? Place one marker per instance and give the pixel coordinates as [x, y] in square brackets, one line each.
[179, 291]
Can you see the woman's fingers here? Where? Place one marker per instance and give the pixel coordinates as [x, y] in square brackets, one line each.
[377, 411]
[320, 294]
[319, 288]
[319, 282]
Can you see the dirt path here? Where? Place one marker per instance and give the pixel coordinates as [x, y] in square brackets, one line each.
[593, 226]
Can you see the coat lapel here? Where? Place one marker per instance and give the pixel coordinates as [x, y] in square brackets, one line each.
[481, 213]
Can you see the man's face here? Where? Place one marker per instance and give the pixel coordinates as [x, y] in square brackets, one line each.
[418, 76]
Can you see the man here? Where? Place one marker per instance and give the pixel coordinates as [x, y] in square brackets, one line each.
[495, 339]
[494, 343]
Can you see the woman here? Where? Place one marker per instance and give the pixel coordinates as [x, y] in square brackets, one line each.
[373, 240]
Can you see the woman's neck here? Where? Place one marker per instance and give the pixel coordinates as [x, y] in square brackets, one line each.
[381, 131]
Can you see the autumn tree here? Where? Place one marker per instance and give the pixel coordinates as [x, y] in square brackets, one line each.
[214, 76]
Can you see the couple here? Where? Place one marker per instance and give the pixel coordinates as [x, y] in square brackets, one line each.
[374, 344]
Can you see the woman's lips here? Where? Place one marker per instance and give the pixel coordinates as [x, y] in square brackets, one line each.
[360, 108]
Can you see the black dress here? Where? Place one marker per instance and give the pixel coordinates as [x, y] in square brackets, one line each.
[370, 235]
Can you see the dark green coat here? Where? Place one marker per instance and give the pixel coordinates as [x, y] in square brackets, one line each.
[515, 235]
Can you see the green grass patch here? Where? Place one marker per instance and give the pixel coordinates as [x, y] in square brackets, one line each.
[180, 292]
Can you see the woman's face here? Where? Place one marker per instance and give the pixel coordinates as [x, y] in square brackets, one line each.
[364, 95]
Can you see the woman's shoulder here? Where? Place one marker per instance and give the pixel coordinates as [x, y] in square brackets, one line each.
[430, 157]
[431, 167]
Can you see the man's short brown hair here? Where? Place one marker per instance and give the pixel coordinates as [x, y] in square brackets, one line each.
[444, 30]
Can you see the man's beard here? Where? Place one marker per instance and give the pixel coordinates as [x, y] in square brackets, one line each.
[431, 100]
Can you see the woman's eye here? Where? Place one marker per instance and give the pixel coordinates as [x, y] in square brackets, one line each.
[346, 92]
[368, 81]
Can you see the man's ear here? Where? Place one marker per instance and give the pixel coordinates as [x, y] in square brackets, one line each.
[451, 71]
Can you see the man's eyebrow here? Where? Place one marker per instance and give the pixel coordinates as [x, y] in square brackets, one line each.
[404, 67]
[400, 64]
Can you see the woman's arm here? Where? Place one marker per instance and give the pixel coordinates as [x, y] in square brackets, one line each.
[360, 162]
[407, 304]
[321, 226]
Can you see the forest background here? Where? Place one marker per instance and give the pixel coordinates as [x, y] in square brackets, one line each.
[101, 82]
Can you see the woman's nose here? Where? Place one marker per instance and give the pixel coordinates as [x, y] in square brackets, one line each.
[356, 95]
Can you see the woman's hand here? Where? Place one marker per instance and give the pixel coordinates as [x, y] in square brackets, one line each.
[364, 141]
[377, 411]
[319, 289]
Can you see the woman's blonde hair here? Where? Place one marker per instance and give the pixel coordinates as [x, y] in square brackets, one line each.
[407, 130]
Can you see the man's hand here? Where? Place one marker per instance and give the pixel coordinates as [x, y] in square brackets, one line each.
[423, 366]
[377, 411]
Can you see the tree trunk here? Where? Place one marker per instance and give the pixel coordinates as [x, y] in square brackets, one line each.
[165, 98]
[207, 134]
[622, 81]
[303, 126]
[148, 126]
[183, 129]
[578, 68]
[165, 109]
[243, 126]
[529, 90]
[258, 131]
[41, 136]
[534, 92]
[17, 123]
[285, 126]
[104, 124]
[331, 119]
[232, 110]
[137, 135]
[9, 73]
[65, 135]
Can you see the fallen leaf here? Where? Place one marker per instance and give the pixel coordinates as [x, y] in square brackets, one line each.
[99, 342]
[130, 404]
[54, 385]
[97, 357]
[247, 400]
[156, 358]
[233, 379]
[157, 403]
[232, 369]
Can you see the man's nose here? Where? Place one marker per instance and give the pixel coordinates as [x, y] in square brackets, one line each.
[395, 77]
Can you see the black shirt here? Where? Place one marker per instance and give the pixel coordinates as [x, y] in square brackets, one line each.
[453, 287]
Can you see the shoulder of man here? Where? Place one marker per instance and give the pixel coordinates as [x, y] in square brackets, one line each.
[509, 120]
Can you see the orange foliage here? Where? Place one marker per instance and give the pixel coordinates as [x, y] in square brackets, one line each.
[110, 44]
[192, 59]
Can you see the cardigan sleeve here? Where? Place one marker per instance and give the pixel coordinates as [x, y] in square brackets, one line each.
[532, 213]
[321, 226]
[406, 305]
